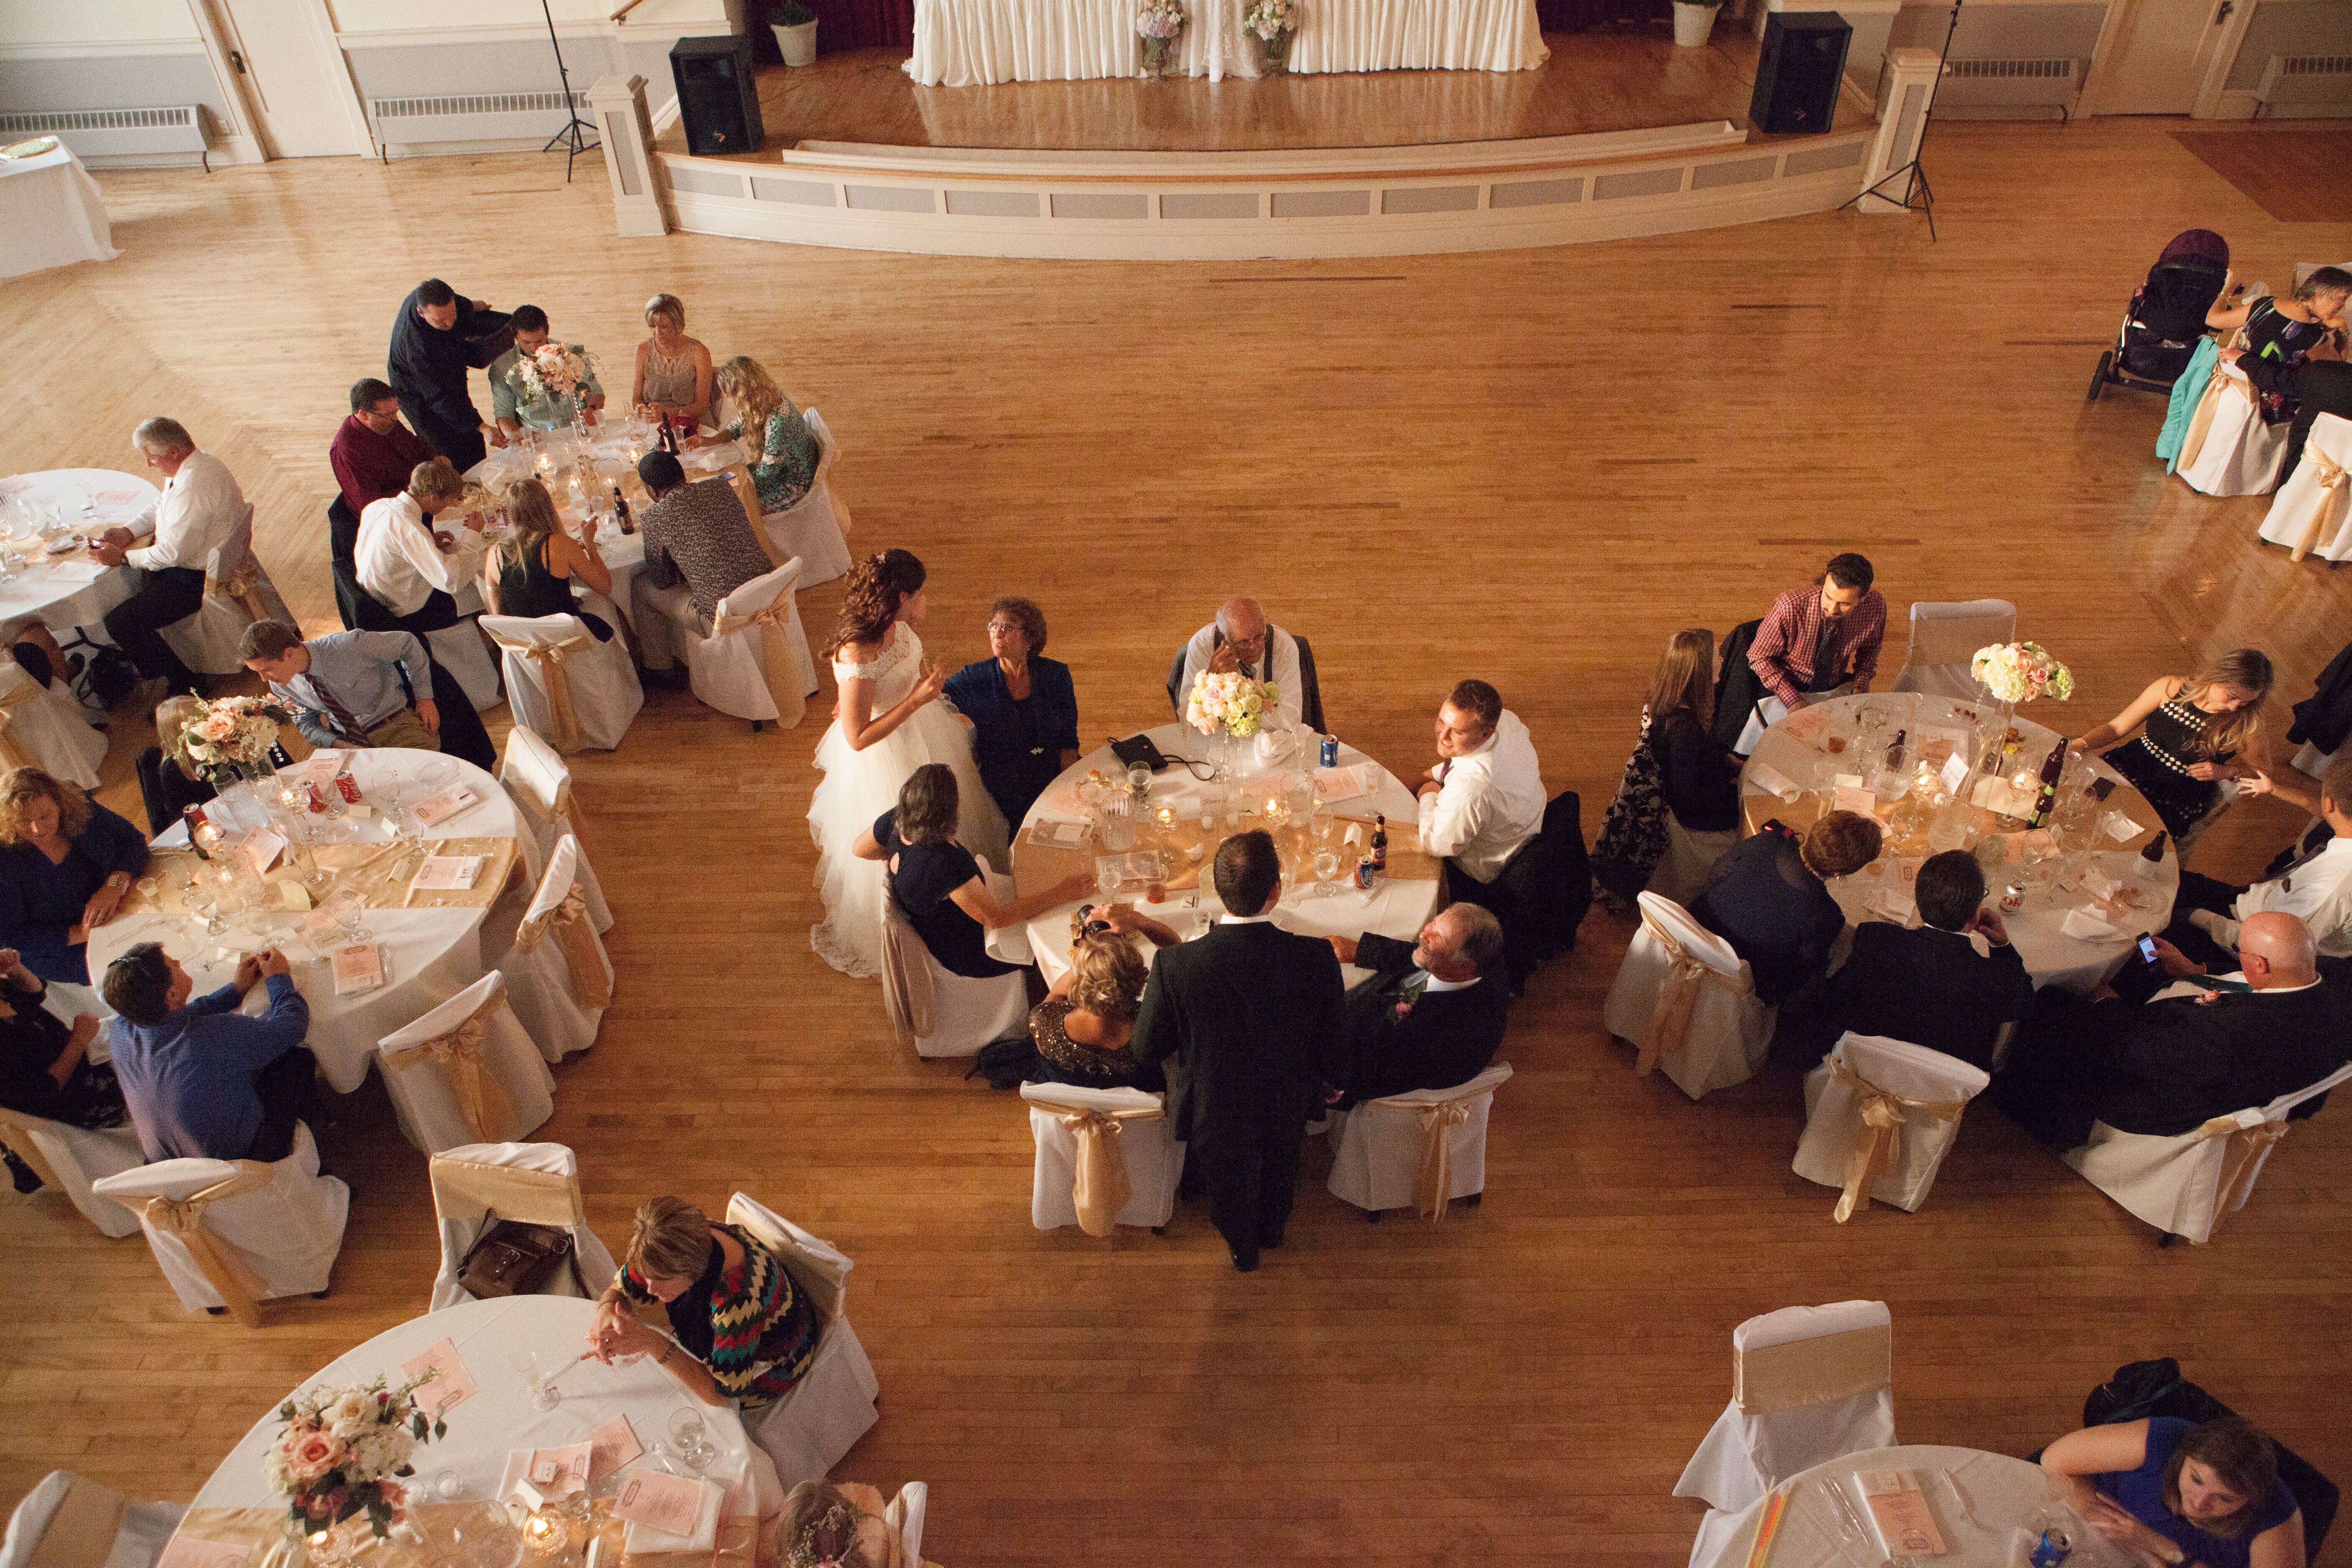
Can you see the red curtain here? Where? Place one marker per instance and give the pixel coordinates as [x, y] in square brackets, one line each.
[864, 24]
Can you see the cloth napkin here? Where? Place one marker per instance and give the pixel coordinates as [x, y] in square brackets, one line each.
[2084, 926]
[1765, 779]
[2121, 828]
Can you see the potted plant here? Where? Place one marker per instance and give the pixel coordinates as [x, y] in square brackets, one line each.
[1273, 23]
[794, 25]
[1694, 20]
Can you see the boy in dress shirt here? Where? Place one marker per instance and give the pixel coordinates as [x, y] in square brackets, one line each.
[200, 506]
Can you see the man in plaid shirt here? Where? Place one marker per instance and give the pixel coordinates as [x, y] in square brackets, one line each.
[1822, 636]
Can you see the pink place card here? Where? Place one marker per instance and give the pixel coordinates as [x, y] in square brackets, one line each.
[559, 1472]
[1806, 724]
[447, 873]
[184, 1553]
[432, 813]
[611, 1446]
[116, 498]
[451, 1385]
[665, 1502]
[1900, 1510]
[357, 968]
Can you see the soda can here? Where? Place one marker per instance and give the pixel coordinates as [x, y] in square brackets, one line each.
[348, 787]
[2051, 1550]
[2012, 899]
[1364, 872]
[1331, 750]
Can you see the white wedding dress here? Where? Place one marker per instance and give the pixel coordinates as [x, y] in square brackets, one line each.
[859, 786]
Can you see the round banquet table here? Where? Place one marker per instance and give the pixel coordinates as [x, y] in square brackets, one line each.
[73, 590]
[1795, 750]
[1396, 906]
[431, 954]
[497, 1418]
[51, 214]
[1986, 1506]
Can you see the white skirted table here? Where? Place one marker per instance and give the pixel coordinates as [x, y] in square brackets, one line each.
[70, 589]
[51, 214]
[969, 43]
[1988, 1509]
[431, 948]
[1793, 755]
[1398, 905]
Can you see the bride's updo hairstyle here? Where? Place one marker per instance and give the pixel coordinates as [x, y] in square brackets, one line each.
[878, 585]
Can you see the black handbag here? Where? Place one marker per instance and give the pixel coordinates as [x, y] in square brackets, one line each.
[1138, 749]
[513, 1259]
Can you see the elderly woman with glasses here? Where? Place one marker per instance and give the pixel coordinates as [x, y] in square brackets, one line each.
[1023, 707]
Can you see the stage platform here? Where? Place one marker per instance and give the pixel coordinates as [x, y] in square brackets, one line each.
[1616, 134]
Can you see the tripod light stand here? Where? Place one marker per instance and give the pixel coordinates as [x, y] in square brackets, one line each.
[578, 136]
[1917, 195]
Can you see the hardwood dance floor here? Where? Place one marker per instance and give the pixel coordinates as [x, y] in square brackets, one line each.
[1529, 466]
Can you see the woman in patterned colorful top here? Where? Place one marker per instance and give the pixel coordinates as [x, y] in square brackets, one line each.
[2199, 731]
[748, 1334]
[776, 440]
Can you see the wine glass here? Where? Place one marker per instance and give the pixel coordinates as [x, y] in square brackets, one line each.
[349, 907]
[1327, 871]
[1109, 879]
[688, 1440]
[437, 774]
[205, 906]
[544, 1395]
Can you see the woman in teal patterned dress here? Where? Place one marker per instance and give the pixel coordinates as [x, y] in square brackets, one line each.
[777, 442]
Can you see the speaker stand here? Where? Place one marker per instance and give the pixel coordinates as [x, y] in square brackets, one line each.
[1917, 195]
[579, 136]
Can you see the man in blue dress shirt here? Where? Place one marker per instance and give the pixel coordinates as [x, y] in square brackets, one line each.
[204, 1081]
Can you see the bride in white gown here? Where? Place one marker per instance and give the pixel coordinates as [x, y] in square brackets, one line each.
[889, 721]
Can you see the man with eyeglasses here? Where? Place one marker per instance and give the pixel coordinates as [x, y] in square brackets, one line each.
[1239, 639]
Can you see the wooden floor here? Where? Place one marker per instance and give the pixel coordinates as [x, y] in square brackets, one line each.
[2294, 174]
[1528, 465]
[1593, 81]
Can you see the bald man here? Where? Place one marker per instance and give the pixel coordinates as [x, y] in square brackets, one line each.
[1240, 639]
[2200, 1047]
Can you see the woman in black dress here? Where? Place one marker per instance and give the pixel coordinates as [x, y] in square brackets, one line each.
[1698, 776]
[45, 1067]
[1083, 1028]
[2197, 733]
[2286, 331]
[531, 571]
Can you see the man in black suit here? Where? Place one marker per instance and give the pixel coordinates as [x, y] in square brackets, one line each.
[1251, 1014]
[1427, 1019]
[2198, 1048]
[1930, 986]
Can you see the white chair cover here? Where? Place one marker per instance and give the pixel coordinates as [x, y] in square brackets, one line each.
[537, 1183]
[1145, 1142]
[1811, 1384]
[1729, 1032]
[540, 784]
[814, 530]
[2312, 514]
[287, 1233]
[944, 1014]
[600, 678]
[463, 652]
[1769, 710]
[551, 1000]
[2184, 1184]
[1917, 1086]
[2228, 449]
[44, 727]
[1681, 872]
[68, 1159]
[807, 1432]
[237, 592]
[430, 1097]
[736, 671]
[1382, 1149]
[1944, 640]
[905, 1514]
[72, 1521]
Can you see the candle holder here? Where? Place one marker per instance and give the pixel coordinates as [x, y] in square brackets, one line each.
[545, 1534]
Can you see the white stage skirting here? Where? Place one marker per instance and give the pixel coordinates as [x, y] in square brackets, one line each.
[971, 43]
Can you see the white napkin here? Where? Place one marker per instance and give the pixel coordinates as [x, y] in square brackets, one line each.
[2084, 926]
[79, 569]
[1763, 778]
[2099, 885]
[2123, 828]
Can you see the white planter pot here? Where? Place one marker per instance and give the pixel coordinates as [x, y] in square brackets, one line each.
[798, 44]
[1692, 24]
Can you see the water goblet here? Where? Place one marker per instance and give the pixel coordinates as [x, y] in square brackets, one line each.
[205, 906]
[689, 1439]
[544, 1395]
[1327, 871]
[1108, 880]
[437, 774]
[349, 910]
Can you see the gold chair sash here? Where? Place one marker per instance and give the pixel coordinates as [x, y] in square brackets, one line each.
[2201, 422]
[466, 1189]
[1669, 1030]
[562, 717]
[747, 490]
[239, 1288]
[1099, 1184]
[81, 1533]
[18, 1139]
[13, 755]
[1880, 1146]
[1815, 1371]
[591, 978]
[776, 668]
[242, 587]
[905, 978]
[2333, 491]
[489, 1110]
[1433, 1182]
[2242, 1158]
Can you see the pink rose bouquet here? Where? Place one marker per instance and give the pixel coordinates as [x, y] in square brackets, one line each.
[343, 1451]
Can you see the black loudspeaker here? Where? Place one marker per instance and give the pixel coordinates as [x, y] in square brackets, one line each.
[718, 97]
[1797, 72]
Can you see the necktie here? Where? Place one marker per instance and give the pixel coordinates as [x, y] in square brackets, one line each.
[337, 714]
[2286, 873]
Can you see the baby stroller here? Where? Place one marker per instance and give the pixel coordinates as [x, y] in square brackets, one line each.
[2167, 316]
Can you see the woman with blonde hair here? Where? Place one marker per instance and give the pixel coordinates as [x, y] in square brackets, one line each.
[532, 571]
[168, 782]
[1698, 776]
[2198, 732]
[738, 1327]
[673, 377]
[1083, 1026]
[782, 449]
[65, 863]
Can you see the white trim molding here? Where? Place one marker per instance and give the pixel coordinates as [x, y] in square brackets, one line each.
[102, 48]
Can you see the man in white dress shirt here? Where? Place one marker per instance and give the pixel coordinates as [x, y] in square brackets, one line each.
[1483, 801]
[403, 564]
[1240, 640]
[201, 504]
[2315, 884]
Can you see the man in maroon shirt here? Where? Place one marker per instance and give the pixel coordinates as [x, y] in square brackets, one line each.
[373, 452]
[1822, 636]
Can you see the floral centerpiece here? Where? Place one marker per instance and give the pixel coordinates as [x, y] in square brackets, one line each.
[2021, 672]
[1229, 704]
[1272, 23]
[1157, 23]
[343, 1453]
[553, 370]
[231, 740]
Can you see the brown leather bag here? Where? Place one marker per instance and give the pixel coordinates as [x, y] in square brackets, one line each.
[511, 1258]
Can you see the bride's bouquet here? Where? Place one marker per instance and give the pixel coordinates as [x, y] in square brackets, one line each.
[1233, 703]
[553, 370]
[2021, 672]
[344, 1451]
[232, 736]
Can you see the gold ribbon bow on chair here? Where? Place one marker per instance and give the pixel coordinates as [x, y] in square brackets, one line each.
[2242, 1158]
[13, 755]
[747, 490]
[592, 980]
[562, 717]
[1098, 1185]
[1432, 1182]
[489, 1110]
[2200, 422]
[2333, 491]
[776, 655]
[239, 1288]
[1879, 1148]
[242, 587]
[1669, 1030]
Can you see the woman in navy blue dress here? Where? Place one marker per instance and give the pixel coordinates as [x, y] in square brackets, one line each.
[65, 863]
[1023, 707]
[2174, 1494]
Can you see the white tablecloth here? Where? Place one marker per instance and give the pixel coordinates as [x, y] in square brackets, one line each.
[430, 955]
[74, 591]
[1394, 907]
[51, 215]
[488, 1336]
[968, 43]
[1986, 1506]
[2052, 957]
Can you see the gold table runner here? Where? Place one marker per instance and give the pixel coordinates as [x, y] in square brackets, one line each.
[262, 1532]
[1755, 810]
[363, 866]
[1038, 866]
